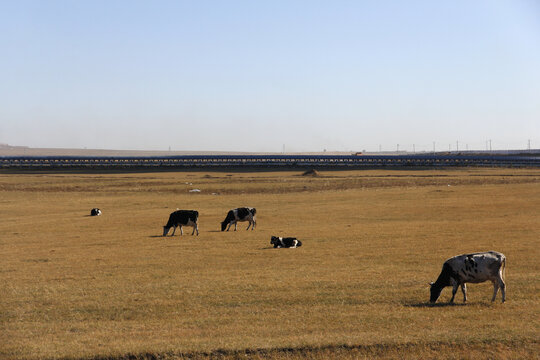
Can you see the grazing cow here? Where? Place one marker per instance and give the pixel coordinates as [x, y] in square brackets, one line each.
[471, 268]
[240, 214]
[182, 218]
[95, 212]
[288, 242]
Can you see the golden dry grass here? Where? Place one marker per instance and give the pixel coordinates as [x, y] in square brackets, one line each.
[75, 286]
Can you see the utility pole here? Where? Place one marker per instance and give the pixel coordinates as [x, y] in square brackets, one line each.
[529, 144]
[457, 145]
[489, 144]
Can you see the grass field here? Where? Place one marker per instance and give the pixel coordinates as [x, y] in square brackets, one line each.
[110, 287]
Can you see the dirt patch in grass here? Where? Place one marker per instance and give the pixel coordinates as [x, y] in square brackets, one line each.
[311, 172]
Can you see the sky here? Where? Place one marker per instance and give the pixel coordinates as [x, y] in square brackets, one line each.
[270, 75]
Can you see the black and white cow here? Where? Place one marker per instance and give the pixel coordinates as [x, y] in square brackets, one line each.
[95, 212]
[182, 218]
[471, 268]
[288, 242]
[240, 214]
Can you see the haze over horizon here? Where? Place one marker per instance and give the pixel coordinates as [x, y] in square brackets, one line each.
[257, 76]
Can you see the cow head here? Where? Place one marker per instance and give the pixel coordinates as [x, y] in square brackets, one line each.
[274, 240]
[165, 230]
[435, 292]
[223, 226]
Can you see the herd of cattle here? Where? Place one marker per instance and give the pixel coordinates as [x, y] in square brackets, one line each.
[456, 271]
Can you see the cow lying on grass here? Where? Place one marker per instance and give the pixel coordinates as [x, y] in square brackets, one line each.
[95, 212]
[240, 214]
[182, 218]
[471, 268]
[288, 242]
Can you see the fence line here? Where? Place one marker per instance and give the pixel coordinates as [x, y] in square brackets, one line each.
[187, 161]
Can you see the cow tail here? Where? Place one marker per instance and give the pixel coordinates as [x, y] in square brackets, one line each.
[504, 268]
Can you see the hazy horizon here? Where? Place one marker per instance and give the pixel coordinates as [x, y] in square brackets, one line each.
[243, 76]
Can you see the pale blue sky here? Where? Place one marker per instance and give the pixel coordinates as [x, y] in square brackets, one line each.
[254, 75]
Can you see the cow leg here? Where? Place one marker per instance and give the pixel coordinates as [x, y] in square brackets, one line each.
[495, 289]
[195, 228]
[254, 223]
[173, 230]
[454, 291]
[502, 285]
[249, 224]
[464, 291]
[181, 231]
[235, 225]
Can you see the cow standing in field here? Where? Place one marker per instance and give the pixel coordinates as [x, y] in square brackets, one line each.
[288, 242]
[240, 214]
[182, 218]
[471, 268]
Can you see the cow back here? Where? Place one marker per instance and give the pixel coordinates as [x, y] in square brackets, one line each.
[183, 217]
[477, 267]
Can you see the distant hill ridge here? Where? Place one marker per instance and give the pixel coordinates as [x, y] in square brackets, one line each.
[8, 150]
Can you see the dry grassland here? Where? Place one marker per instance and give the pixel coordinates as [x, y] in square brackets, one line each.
[109, 287]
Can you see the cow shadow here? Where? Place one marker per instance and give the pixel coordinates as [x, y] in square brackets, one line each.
[434, 305]
[171, 236]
